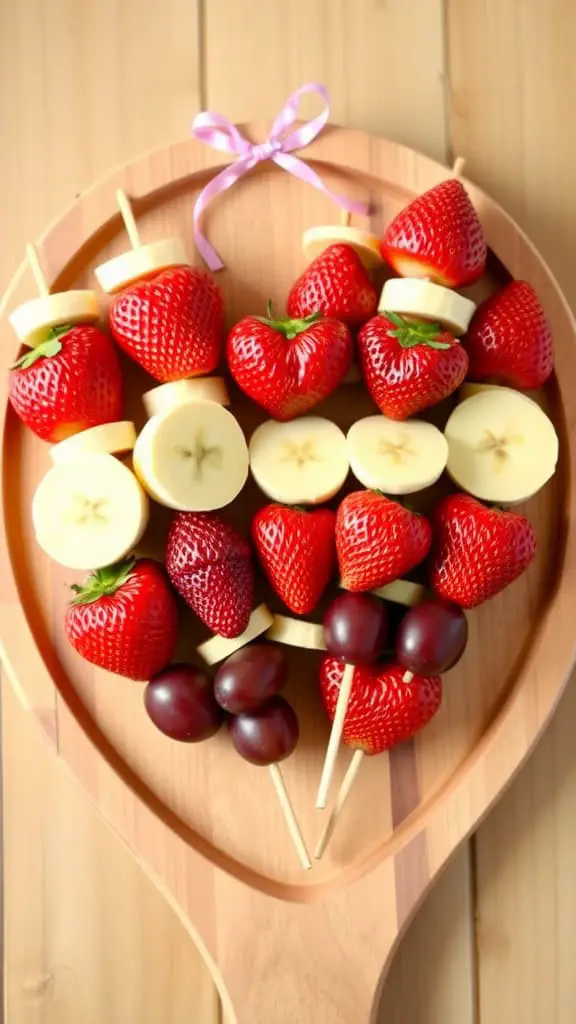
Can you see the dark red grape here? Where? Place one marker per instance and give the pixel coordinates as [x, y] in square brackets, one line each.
[180, 701]
[250, 676]
[356, 628]
[267, 735]
[432, 637]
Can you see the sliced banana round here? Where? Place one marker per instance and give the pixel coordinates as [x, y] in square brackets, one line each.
[142, 261]
[316, 240]
[404, 592]
[34, 320]
[297, 633]
[193, 458]
[302, 462]
[501, 447]
[219, 647]
[396, 457]
[89, 512]
[105, 439]
[180, 392]
[469, 389]
[411, 296]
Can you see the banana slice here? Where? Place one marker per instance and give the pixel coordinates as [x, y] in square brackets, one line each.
[89, 512]
[142, 261]
[106, 439]
[469, 389]
[367, 246]
[34, 320]
[302, 462]
[412, 296]
[219, 647]
[502, 447]
[404, 592]
[180, 392]
[396, 457]
[297, 633]
[192, 458]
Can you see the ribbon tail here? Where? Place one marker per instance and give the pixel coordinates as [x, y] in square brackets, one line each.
[300, 169]
[223, 180]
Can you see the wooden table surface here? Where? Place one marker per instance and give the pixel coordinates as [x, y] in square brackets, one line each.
[88, 84]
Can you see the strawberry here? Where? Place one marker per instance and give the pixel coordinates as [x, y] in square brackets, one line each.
[383, 710]
[437, 236]
[337, 285]
[125, 619]
[172, 324]
[509, 338]
[378, 540]
[409, 366]
[68, 383]
[210, 565]
[288, 366]
[478, 551]
[297, 551]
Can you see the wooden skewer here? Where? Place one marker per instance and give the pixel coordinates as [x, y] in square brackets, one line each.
[347, 783]
[458, 167]
[128, 218]
[37, 272]
[335, 737]
[345, 218]
[288, 811]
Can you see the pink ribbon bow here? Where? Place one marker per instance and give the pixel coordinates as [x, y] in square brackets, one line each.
[218, 132]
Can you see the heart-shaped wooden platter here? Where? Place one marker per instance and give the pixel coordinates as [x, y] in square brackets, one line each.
[286, 946]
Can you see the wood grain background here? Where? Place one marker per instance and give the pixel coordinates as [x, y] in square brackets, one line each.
[86, 85]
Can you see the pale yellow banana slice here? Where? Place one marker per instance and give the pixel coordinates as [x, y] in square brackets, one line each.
[303, 462]
[469, 389]
[143, 261]
[501, 447]
[297, 633]
[396, 457]
[411, 296]
[34, 320]
[404, 592]
[106, 439]
[180, 392]
[193, 458]
[89, 512]
[316, 240]
[219, 647]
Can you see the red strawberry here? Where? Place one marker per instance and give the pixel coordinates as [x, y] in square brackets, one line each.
[509, 338]
[409, 366]
[337, 285]
[383, 710]
[70, 382]
[125, 619]
[378, 540]
[437, 236]
[210, 565]
[172, 325]
[478, 551]
[297, 552]
[288, 366]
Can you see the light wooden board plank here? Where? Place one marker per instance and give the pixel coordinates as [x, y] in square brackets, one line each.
[512, 86]
[89, 937]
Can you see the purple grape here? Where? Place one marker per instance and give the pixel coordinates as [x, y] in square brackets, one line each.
[432, 637]
[356, 628]
[180, 701]
[250, 676]
[268, 735]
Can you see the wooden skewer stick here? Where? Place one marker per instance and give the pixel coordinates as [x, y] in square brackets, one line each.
[345, 218]
[128, 218]
[407, 677]
[458, 167]
[347, 783]
[288, 811]
[335, 737]
[37, 272]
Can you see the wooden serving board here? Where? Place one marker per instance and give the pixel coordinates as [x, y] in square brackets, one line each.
[286, 946]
